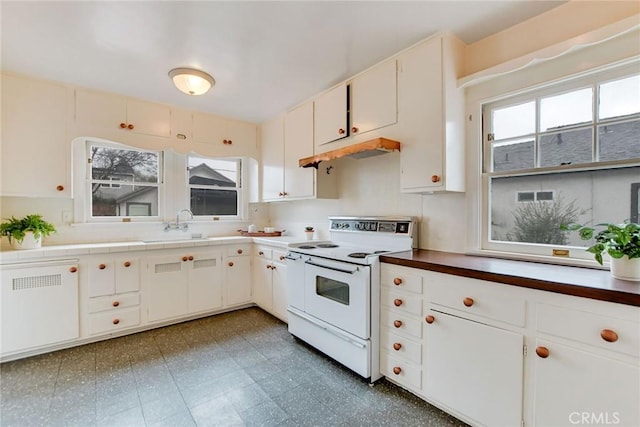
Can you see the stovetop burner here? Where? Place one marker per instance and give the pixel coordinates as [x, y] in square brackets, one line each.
[306, 247]
[327, 245]
[358, 255]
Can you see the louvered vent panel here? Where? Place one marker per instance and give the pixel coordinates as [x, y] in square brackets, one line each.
[169, 267]
[34, 282]
[204, 263]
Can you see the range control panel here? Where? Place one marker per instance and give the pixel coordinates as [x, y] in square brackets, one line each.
[399, 226]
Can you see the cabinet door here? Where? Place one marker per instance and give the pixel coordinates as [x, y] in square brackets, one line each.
[474, 369]
[238, 283]
[35, 149]
[205, 282]
[208, 128]
[279, 284]
[330, 117]
[569, 382]
[100, 114]
[165, 287]
[272, 159]
[241, 139]
[181, 124]
[298, 143]
[420, 104]
[127, 275]
[101, 275]
[374, 99]
[262, 290]
[148, 118]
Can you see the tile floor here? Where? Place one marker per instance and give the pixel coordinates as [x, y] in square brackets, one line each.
[233, 369]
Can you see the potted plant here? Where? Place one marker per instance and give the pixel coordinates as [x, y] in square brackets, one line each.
[27, 232]
[620, 241]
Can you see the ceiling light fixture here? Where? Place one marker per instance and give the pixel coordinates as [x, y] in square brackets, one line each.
[191, 81]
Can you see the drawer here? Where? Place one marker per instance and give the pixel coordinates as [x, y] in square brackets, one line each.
[400, 347]
[241, 249]
[609, 333]
[405, 303]
[261, 252]
[401, 278]
[114, 320]
[113, 302]
[401, 371]
[279, 256]
[476, 297]
[401, 323]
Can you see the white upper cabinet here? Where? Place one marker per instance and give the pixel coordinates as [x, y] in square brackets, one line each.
[431, 116]
[331, 116]
[35, 145]
[224, 137]
[113, 117]
[272, 144]
[374, 99]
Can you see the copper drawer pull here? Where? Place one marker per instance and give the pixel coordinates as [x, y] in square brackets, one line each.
[102, 266]
[397, 346]
[130, 126]
[429, 319]
[468, 302]
[190, 257]
[230, 264]
[60, 187]
[397, 370]
[397, 281]
[185, 259]
[239, 251]
[542, 352]
[260, 253]
[123, 125]
[73, 269]
[115, 303]
[435, 178]
[341, 131]
[608, 335]
[116, 321]
[127, 264]
[397, 323]
[397, 302]
[354, 129]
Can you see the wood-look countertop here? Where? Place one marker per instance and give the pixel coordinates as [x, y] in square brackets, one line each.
[576, 281]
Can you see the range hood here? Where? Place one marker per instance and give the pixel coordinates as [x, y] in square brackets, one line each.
[361, 150]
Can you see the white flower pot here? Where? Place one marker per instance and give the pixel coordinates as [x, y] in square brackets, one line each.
[29, 242]
[625, 268]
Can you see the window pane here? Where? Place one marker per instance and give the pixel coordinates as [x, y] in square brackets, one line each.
[619, 141]
[516, 120]
[214, 202]
[565, 148]
[620, 97]
[125, 200]
[513, 155]
[588, 197]
[567, 109]
[213, 172]
[528, 196]
[544, 196]
[113, 164]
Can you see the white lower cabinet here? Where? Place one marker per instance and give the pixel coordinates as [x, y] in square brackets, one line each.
[237, 278]
[270, 280]
[500, 355]
[474, 369]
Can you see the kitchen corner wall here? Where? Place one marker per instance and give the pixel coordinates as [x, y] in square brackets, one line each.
[371, 186]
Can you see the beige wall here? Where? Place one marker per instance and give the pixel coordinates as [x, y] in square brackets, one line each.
[557, 25]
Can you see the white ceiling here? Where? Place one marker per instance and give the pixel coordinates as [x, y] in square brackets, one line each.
[265, 56]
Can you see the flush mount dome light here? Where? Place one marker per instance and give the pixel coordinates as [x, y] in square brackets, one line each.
[191, 81]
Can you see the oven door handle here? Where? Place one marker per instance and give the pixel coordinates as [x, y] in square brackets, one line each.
[341, 270]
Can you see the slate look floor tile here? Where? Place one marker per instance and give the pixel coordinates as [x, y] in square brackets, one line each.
[241, 368]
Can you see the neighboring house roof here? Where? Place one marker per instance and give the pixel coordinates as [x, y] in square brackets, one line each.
[205, 175]
[133, 194]
[616, 142]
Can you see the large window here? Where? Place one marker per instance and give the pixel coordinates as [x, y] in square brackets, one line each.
[123, 182]
[214, 186]
[567, 153]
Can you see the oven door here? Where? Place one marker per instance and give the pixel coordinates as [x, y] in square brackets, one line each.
[339, 294]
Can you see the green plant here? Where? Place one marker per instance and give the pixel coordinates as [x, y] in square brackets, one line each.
[539, 222]
[16, 228]
[617, 240]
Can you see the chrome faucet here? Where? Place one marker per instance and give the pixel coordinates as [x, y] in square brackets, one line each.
[177, 226]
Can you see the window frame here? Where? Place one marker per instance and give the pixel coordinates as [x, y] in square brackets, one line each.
[239, 189]
[593, 78]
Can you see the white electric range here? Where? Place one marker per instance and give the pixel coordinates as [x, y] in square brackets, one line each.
[334, 288]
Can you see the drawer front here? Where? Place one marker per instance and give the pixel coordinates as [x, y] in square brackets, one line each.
[605, 332]
[400, 347]
[237, 250]
[279, 256]
[476, 297]
[401, 278]
[261, 252]
[401, 323]
[114, 320]
[404, 303]
[403, 372]
[113, 302]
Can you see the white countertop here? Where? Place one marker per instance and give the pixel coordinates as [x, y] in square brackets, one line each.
[71, 250]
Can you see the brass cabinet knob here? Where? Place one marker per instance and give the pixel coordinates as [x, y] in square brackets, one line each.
[261, 253]
[185, 258]
[435, 178]
[116, 321]
[354, 129]
[341, 131]
[397, 323]
[102, 266]
[127, 263]
[542, 352]
[397, 302]
[397, 281]
[130, 126]
[190, 257]
[239, 251]
[60, 187]
[397, 370]
[468, 302]
[123, 125]
[608, 335]
[73, 269]
[230, 263]
[429, 319]
[115, 303]
[397, 346]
